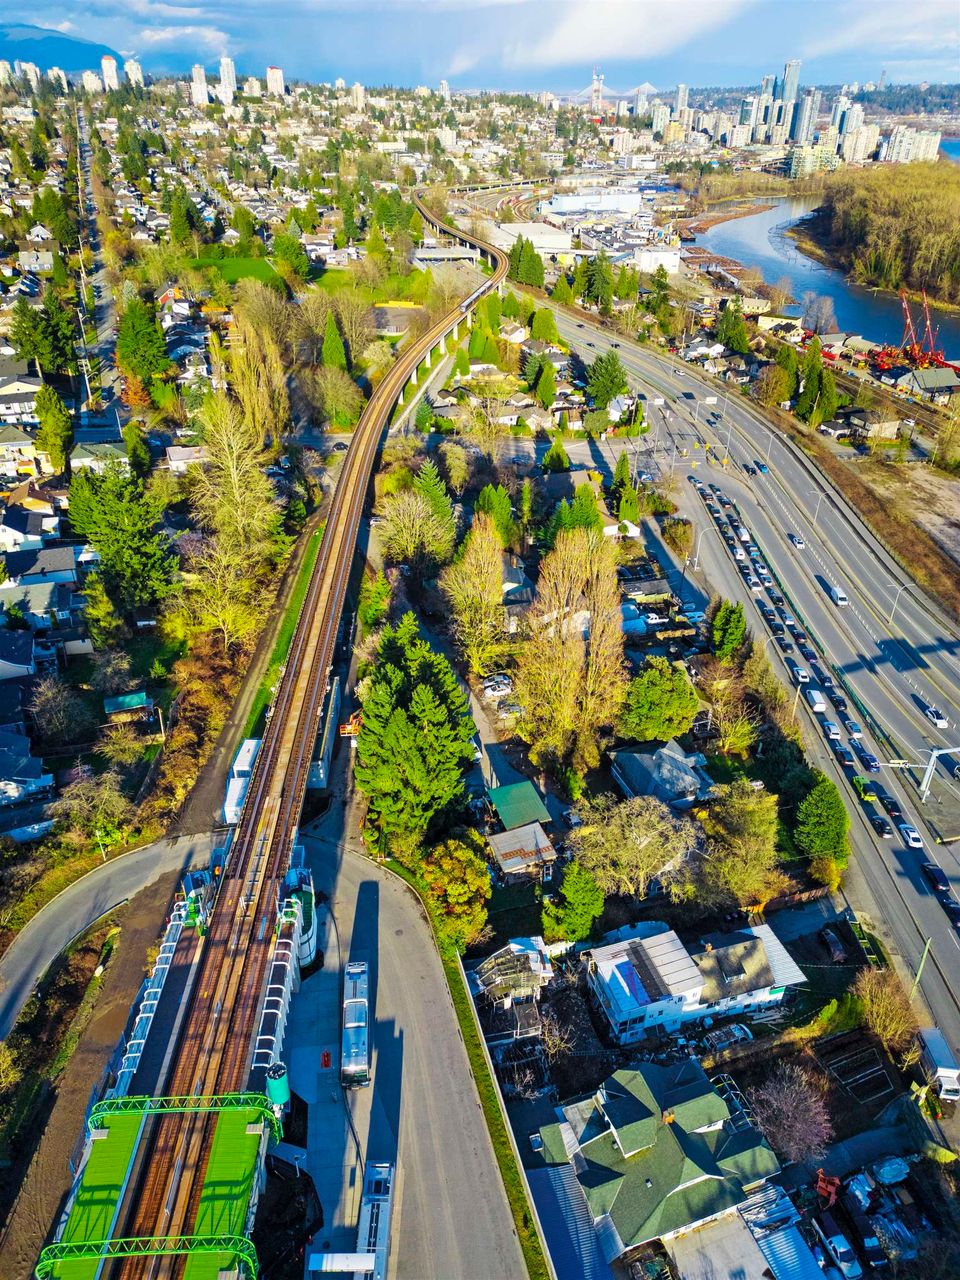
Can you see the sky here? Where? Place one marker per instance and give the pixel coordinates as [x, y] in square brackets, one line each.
[525, 44]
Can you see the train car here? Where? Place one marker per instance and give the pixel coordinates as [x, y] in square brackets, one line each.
[355, 1041]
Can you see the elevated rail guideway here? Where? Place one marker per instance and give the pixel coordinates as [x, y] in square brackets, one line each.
[179, 1179]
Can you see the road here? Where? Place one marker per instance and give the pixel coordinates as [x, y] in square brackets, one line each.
[73, 911]
[104, 309]
[892, 667]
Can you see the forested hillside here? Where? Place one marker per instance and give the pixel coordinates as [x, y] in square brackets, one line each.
[896, 226]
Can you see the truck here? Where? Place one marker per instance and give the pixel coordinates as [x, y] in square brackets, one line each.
[839, 597]
[939, 1063]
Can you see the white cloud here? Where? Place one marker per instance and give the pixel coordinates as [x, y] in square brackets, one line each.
[215, 41]
[924, 25]
[64, 26]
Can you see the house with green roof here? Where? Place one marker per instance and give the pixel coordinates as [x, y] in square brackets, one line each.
[657, 1151]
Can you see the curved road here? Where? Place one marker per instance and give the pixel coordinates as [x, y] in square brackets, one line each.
[74, 910]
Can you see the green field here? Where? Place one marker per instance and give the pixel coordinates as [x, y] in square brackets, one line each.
[234, 269]
[410, 288]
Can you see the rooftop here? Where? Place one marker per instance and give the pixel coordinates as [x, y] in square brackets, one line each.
[518, 804]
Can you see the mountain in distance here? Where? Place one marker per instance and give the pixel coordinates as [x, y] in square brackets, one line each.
[48, 48]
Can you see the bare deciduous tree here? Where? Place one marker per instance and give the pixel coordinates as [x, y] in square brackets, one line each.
[887, 1010]
[473, 585]
[456, 463]
[411, 530]
[557, 1038]
[91, 804]
[791, 1112]
[353, 313]
[111, 672]
[571, 677]
[818, 313]
[58, 713]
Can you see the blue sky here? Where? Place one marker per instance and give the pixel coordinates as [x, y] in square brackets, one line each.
[526, 44]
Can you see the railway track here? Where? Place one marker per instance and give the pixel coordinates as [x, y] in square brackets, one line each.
[214, 1051]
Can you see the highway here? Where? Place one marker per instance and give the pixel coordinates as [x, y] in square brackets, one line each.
[891, 668]
[213, 1053]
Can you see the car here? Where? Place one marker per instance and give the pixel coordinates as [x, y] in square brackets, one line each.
[725, 501]
[935, 716]
[808, 653]
[838, 952]
[571, 818]
[838, 700]
[799, 675]
[655, 620]
[831, 731]
[339, 447]
[935, 877]
[694, 481]
[851, 728]
[591, 344]
[911, 835]
[755, 585]
[775, 597]
[816, 671]
[784, 644]
[615, 344]
[694, 615]
[786, 617]
[750, 471]
[762, 468]
[827, 685]
[869, 760]
[767, 612]
[891, 804]
[844, 755]
[715, 488]
[477, 749]
[753, 551]
[739, 553]
[952, 907]
[797, 541]
[777, 628]
[881, 826]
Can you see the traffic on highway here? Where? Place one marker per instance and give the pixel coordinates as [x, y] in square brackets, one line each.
[871, 660]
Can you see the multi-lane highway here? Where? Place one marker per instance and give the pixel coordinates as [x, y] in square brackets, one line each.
[891, 650]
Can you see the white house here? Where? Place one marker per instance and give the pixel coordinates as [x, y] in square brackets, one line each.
[645, 977]
[21, 774]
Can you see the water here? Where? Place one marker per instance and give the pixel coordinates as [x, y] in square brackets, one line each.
[760, 241]
[951, 149]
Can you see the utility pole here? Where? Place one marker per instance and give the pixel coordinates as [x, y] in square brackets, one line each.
[923, 961]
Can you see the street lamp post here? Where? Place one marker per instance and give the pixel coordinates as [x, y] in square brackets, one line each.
[819, 500]
[696, 554]
[903, 586]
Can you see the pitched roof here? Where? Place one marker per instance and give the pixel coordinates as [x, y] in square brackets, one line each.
[16, 647]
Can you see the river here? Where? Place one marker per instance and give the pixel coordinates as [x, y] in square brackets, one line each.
[760, 241]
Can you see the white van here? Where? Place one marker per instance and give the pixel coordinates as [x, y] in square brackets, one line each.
[816, 699]
[839, 597]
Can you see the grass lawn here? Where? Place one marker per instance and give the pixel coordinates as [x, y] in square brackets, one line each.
[258, 710]
[234, 269]
[514, 912]
[395, 288]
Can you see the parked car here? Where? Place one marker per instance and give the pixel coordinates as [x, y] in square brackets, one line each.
[838, 1247]
[829, 938]
[911, 835]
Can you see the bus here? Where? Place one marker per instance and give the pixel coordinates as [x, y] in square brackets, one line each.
[355, 1046]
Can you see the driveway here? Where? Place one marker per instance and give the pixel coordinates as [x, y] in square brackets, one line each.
[72, 912]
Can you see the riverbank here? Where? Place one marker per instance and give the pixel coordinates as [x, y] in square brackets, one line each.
[697, 226]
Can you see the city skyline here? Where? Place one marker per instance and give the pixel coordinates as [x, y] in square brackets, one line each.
[525, 44]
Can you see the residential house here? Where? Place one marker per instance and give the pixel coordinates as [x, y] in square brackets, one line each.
[870, 424]
[512, 332]
[644, 977]
[38, 254]
[669, 773]
[22, 775]
[657, 1151]
[506, 989]
[16, 655]
[18, 403]
[43, 605]
[12, 711]
[43, 564]
[181, 457]
[98, 457]
[23, 530]
[523, 853]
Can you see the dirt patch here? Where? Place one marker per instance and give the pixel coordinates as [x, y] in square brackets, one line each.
[927, 496]
[47, 1180]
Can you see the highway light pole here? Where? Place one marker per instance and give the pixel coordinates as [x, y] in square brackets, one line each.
[819, 500]
[696, 554]
[903, 586]
[931, 765]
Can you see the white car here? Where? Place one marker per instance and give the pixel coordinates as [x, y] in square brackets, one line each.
[852, 728]
[832, 731]
[911, 835]
[935, 716]
[655, 620]
[739, 553]
[797, 541]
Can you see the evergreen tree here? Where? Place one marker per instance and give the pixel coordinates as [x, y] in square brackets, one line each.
[562, 291]
[732, 328]
[55, 434]
[429, 484]
[478, 340]
[544, 326]
[580, 278]
[180, 228]
[103, 622]
[514, 257]
[491, 352]
[600, 282]
[571, 917]
[829, 400]
[414, 742]
[138, 455]
[511, 306]
[546, 390]
[556, 459]
[121, 521]
[787, 360]
[495, 502]
[729, 630]
[376, 245]
[584, 510]
[629, 507]
[141, 348]
[290, 255]
[607, 379]
[621, 473]
[494, 311]
[660, 703]
[332, 352]
[811, 370]
[461, 363]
